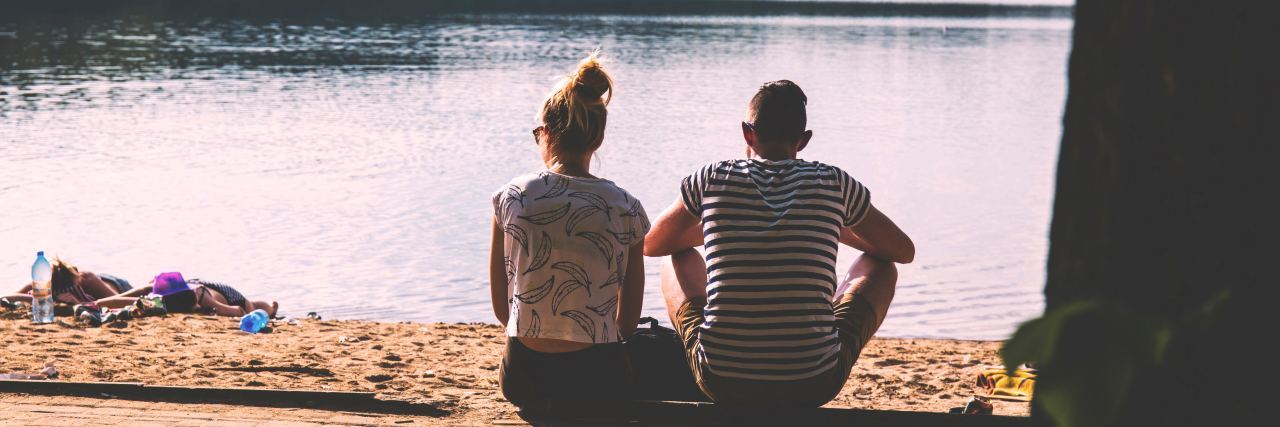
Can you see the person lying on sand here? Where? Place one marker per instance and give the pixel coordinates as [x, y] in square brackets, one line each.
[73, 286]
[761, 316]
[192, 296]
[566, 264]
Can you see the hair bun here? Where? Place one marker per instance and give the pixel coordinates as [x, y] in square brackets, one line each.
[591, 81]
[576, 109]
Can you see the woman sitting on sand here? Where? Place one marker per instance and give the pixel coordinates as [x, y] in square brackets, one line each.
[566, 265]
[72, 286]
[192, 296]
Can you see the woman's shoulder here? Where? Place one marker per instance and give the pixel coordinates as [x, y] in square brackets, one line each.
[88, 275]
[518, 187]
[613, 192]
[524, 181]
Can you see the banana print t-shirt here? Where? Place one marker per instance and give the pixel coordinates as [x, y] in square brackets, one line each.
[567, 242]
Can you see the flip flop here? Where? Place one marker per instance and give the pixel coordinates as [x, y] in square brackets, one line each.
[978, 405]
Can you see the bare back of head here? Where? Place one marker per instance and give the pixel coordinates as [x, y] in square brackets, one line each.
[777, 112]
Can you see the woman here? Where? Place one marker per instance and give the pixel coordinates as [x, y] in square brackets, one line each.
[566, 263]
[72, 286]
[193, 296]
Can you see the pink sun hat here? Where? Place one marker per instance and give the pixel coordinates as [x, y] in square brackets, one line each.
[169, 283]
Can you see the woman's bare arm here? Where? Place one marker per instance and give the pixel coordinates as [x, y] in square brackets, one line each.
[675, 230]
[631, 293]
[498, 284]
[118, 301]
[137, 292]
[22, 295]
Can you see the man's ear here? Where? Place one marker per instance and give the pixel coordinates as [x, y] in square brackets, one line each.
[749, 136]
[804, 140]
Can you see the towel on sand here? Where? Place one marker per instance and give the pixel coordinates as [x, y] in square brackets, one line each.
[998, 384]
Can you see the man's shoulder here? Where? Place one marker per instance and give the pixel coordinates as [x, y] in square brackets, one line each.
[731, 166]
[713, 169]
[721, 165]
[820, 166]
[825, 169]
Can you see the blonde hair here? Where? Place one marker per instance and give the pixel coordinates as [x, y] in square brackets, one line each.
[575, 113]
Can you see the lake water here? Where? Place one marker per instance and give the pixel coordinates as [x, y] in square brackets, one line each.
[345, 165]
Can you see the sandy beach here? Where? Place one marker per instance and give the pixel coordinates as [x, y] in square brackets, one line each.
[451, 366]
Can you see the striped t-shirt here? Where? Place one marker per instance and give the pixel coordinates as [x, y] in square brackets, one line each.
[771, 230]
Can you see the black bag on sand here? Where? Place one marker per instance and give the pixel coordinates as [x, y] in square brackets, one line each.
[658, 366]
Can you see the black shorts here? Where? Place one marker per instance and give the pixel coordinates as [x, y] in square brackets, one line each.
[120, 284]
[600, 372]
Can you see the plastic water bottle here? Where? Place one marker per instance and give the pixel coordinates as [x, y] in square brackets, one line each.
[41, 290]
[254, 321]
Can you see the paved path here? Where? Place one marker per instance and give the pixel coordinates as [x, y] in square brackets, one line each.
[30, 410]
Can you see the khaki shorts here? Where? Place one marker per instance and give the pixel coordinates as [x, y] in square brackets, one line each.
[855, 324]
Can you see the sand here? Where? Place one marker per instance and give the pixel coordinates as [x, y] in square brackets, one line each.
[452, 366]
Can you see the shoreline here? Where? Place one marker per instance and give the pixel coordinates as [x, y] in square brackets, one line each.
[451, 366]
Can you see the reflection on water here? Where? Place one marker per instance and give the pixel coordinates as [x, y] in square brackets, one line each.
[344, 165]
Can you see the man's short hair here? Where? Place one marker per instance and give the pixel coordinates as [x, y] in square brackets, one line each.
[777, 112]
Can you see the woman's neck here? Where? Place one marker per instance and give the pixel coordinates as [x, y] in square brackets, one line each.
[576, 171]
[580, 168]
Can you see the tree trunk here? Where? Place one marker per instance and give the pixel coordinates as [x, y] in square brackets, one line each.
[1165, 175]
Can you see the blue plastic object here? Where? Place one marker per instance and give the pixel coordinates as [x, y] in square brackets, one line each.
[254, 321]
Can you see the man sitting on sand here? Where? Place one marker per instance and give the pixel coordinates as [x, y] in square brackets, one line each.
[762, 318]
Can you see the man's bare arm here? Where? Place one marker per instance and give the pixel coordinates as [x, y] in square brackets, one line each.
[878, 236]
[675, 230]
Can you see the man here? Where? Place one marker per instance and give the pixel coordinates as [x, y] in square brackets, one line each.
[762, 317]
